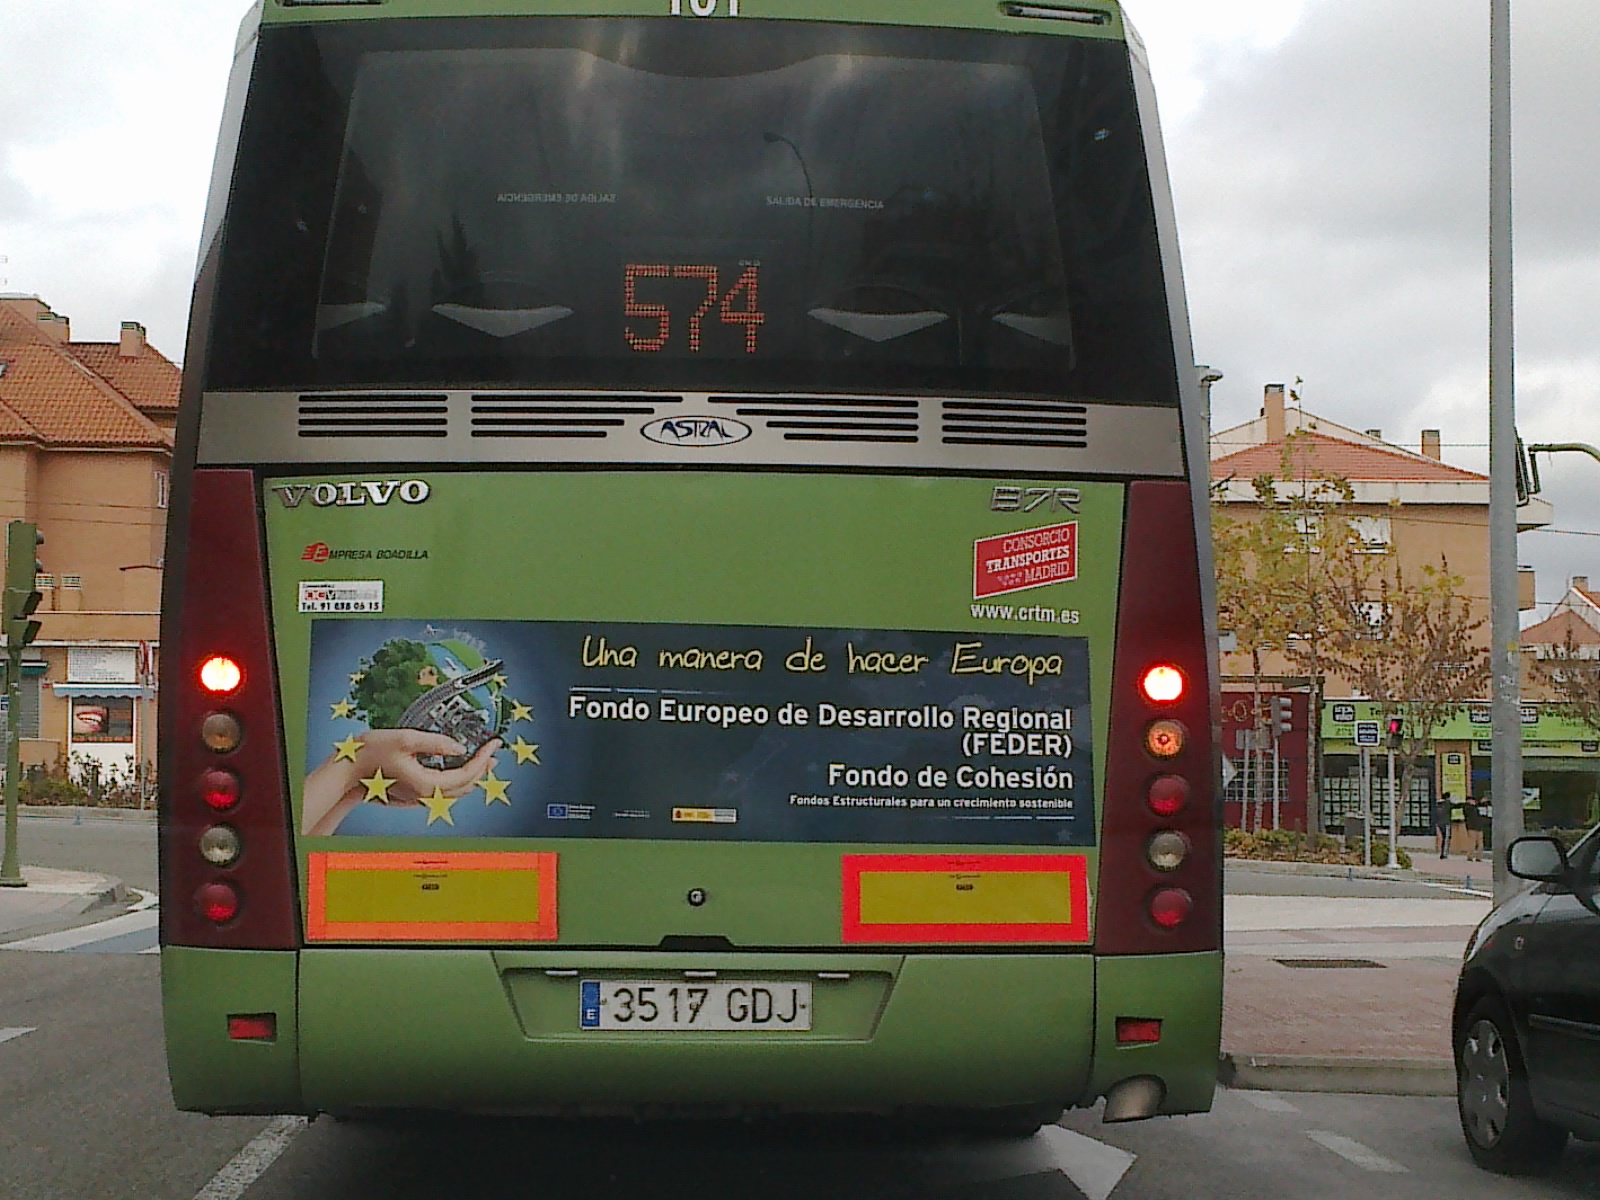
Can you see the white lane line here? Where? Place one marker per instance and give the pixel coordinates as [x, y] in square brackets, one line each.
[16, 1031]
[1268, 1101]
[146, 899]
[71, 939]
[1094, 1167]
[150, 950]
[247, 1166]
[1353, 1151]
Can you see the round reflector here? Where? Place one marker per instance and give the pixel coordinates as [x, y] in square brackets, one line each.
[1163, 684]
[1167, 850]
[1170, 907]
[219, 789]
[1165, 739]
[221, 732]
[220, 845]
[217, 902]
[220, 675]
[1168, 795]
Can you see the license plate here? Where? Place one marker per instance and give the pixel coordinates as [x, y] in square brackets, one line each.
[653, 1004]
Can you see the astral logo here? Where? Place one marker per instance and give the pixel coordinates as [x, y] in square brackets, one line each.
[696, 431]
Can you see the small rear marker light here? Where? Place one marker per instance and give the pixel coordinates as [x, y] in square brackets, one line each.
[1167, 850]
[1171, 907]
[1163, 684]
[1138, 1031]
[217, 902]
[253, 1027]
[220, 845]
[220, 675]
[1165, 739]
[1168, 795]
[221, 732]
[219, 789]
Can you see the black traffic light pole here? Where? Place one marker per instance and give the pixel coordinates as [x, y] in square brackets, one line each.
[20, 600]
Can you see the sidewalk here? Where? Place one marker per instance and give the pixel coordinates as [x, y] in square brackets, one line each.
[1344, 993]
[53, 896]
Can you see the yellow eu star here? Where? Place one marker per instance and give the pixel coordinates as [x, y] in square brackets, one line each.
[521, 711]
[347, 749]
[343, 709]
[357, 678]
[525, 753]
[497, 681]
[438, 806]
[495, 789]
[378, 787]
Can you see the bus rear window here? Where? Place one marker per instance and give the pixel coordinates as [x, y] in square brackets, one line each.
[839, 207]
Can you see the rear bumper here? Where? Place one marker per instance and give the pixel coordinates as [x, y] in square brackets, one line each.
[480, 1030]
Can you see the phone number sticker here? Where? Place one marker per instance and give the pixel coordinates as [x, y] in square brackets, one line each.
[342, 596]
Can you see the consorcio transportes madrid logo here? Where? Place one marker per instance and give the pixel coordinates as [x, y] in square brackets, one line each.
[1015, 562]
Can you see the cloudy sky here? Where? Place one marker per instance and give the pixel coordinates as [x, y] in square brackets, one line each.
[1329, 160]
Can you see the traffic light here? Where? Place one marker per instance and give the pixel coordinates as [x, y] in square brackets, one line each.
[1397, 732]
[1282, 714]
[23, 540]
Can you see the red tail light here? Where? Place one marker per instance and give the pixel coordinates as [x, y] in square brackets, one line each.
[220, 675]
[1138, 1031]
[1163, 684]
[221, 749]
[1160, 765]
[253, 1027]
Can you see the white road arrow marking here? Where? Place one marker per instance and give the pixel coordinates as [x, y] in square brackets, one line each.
[1094, 1167]
[15, 1031]
[1353, 1151]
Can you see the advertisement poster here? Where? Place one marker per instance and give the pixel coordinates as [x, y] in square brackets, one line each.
[731, 733]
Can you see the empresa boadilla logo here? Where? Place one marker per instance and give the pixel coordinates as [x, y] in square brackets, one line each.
[1015, 562]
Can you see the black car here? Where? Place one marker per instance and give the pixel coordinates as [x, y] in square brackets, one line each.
[1527, 1012]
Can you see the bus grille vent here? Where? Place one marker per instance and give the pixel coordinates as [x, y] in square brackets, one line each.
[559, 416]
[832, 418]
[1015, 423]
[369, 415]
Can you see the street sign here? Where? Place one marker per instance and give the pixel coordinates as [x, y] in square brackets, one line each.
[1367, 733]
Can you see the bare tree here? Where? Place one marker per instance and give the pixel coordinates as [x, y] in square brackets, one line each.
[1416, 653]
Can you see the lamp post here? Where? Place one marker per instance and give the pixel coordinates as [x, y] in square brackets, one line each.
[1505, 632]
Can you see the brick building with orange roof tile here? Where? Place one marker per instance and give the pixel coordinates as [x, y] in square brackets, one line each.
[85, 453]
[1410, 503]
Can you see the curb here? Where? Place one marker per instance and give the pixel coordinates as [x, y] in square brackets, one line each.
[1363, 1076]
[79, 811]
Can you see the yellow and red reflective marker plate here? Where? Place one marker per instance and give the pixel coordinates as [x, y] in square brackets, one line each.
[465, 896]
[966, 898]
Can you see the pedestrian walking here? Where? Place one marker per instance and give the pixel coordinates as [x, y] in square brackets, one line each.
[1441, 824]
[1478, 818]
[1458, 823]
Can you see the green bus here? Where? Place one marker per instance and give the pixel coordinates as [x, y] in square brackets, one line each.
[689, 586]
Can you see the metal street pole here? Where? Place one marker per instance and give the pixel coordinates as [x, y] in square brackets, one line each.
[1505, 651]
[1366, 807]
[1394, 817]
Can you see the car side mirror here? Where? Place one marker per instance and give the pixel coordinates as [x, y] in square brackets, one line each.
[1541, 859]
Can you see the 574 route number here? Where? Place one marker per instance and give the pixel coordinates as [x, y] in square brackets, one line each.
[703, 8]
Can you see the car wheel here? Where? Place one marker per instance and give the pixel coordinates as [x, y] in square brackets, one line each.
[1493, 1098]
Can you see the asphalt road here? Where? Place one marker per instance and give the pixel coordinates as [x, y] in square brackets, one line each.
[123, 848]
[88, 1115]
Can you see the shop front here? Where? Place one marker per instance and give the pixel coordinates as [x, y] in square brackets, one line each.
[1560, 766]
